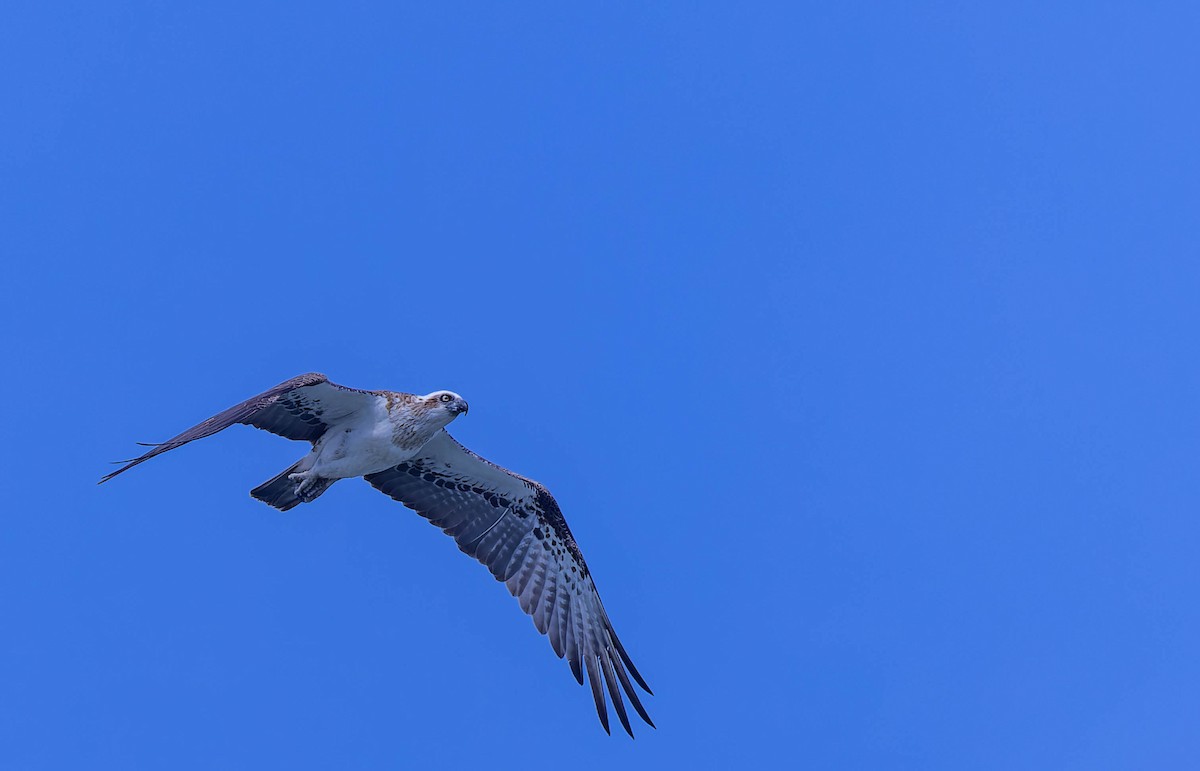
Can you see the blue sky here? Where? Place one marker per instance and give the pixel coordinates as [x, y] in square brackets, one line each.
[857, 342]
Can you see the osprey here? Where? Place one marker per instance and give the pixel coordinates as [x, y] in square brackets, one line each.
[398, 443]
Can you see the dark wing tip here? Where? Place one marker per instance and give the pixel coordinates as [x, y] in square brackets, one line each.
[628, 662]
[128, 465]
[604, 721]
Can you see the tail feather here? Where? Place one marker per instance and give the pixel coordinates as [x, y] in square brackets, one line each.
[280, 491]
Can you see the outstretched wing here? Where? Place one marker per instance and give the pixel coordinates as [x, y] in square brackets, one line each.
[301, 408]
[514, 526]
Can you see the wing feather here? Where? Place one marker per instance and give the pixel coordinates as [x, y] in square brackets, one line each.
[558, 632]
[574, 654]
[593, 673]
[543, 614]
[611, 680]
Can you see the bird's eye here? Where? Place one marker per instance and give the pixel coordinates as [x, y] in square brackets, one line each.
[445, 397]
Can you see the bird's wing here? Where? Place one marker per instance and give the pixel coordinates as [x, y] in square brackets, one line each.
[514, 526]
[301, 408]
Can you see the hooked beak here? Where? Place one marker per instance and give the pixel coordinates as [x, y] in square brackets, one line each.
[461, 408]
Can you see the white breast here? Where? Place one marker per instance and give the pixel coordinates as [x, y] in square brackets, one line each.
[361, 444]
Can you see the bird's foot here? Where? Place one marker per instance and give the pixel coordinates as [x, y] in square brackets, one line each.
[305, 481]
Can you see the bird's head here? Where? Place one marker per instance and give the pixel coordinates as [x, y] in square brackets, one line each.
[446, 403]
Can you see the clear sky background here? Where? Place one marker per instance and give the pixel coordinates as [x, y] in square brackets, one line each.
[857, 342]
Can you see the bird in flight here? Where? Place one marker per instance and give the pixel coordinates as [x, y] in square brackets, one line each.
[398, 443]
